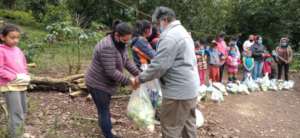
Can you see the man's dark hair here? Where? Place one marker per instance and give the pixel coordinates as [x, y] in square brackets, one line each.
[122, 28]
[163, 13]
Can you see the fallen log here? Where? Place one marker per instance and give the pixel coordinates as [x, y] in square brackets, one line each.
[77, 93]
[73, 77]
[54, 84]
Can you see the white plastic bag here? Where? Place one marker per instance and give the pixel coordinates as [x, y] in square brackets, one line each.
[242, 88]
[265, 83]
[251, 84]
[273, 85]
[280, 84]
[140, 109]
[287, 85]
[220, 87]
[217, 95]
[154, 91]
[202, 92]
[291, 84]
[210, 87]
[232, 87]
[199, 119]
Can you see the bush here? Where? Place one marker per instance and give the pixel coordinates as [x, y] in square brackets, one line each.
[56, 14]
[20, 17]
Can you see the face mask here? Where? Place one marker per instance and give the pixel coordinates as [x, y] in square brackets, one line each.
[232, 53]
[120, 44]
[202, 51]
[260, 41]
[284, 44]
[161, 29]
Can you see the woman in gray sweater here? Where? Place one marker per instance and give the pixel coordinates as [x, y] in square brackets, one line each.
[105, 73]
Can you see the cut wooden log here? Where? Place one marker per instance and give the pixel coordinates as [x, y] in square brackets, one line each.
[73, 77]
[49, 84]
[53, 84]
[78, 81]
[77, 93]
[82, 86]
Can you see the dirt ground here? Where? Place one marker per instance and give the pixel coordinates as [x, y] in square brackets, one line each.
[260, 114]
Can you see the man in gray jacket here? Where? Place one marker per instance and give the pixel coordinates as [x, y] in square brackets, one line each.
[176, 66]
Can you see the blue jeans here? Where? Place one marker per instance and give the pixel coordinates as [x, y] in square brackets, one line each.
[257, 71]
[102, 101]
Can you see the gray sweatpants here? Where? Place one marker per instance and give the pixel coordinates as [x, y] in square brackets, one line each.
[17, 108]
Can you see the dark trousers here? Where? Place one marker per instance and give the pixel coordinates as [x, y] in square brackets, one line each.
[102, 101]
[282, 66]
[221, 72]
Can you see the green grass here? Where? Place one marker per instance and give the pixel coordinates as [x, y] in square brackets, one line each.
[296, 64]
[55, 59]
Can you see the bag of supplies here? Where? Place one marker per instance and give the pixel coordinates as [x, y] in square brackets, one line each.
[140, 109]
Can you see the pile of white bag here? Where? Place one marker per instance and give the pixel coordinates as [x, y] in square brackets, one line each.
[216, 91]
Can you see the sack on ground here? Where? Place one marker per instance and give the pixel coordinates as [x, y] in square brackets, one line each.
[199, 119]
[273, 85]
[287, 85]
[280, 84]
[140, 109]
[210, 87]
[217, 95]
[265, 83]
[202, 92]
[242, 88]
[251, 84]
[232, 88]
[220, 87]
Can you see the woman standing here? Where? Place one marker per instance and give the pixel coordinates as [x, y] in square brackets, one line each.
[258, 53]
[284, 57]
[105, 73]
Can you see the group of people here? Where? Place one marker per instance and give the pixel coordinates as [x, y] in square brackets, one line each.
[254, 58]
[166, 52]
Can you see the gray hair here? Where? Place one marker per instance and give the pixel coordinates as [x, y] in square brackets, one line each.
[163, 13]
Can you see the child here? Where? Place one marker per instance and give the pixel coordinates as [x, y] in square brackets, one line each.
[14, 79]
[267, 67]
[215, 61]
[201, 61]
[142, 50]
[248, 63]
[284, 56]
[232, 63]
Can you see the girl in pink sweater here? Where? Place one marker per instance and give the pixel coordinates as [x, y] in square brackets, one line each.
[14, 78]
[232, 62]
